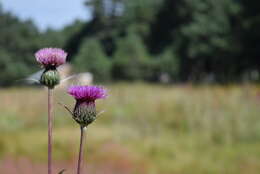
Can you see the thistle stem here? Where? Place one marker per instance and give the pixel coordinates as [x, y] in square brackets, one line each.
[50, 117]
[82, 139]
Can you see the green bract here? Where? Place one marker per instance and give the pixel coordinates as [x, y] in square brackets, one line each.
[50, 78]
[84, 113]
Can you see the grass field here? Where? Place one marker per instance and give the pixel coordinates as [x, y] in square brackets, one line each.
[146, 129]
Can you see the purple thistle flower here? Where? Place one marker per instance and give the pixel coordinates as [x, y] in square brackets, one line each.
[87, 93]
[84, 111]
[51, 56]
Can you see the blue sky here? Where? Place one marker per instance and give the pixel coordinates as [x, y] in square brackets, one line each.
[48, 13]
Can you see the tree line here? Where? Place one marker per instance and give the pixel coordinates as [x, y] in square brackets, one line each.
[183, 40]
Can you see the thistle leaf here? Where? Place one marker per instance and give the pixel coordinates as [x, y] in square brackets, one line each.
[62, 171]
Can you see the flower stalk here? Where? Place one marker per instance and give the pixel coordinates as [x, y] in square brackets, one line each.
[81, 149]
[84, 112]
[50, 119]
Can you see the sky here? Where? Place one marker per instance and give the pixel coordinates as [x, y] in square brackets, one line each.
[48, 13]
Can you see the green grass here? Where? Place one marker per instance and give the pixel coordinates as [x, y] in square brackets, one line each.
[158, 129]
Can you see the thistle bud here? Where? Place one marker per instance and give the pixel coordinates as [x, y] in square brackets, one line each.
[85, 110]
[50, 78]
[50, 59]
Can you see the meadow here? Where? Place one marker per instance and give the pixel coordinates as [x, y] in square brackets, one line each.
[145, 129]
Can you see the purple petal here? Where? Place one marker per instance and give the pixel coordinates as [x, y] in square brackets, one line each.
[51, 56]
[87, 93]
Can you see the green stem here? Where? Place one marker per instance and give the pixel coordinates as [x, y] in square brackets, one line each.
[50, 117]
[82, 139]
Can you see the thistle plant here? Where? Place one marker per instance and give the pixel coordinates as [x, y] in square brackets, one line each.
[50, 59]
[84, 112]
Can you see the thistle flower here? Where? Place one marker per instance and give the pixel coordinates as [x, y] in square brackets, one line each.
[84, 111]
[50, 58]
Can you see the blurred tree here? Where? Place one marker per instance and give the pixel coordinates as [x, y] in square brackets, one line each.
[139, 14]
[130, 59]
[91, 58]
[112, 18]
[99, 26]
[168, 64]
[18, 40]
[164, 27]
[211, 44]
[250, 36]
[202, 34]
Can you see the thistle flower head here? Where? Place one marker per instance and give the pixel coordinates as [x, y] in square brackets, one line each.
[51, 57]
[84, 111]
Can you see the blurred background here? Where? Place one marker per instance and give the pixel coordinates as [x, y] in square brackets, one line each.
[183, 78]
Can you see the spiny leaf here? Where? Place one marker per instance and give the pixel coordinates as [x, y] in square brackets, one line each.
[62, 171]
